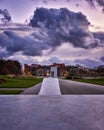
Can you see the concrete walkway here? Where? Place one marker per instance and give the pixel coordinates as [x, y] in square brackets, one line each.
[32, 90]
[50, 86]
[72, 87]
[52, 112]
[67, 87]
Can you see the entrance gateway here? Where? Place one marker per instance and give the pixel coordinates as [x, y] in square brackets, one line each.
[53, 72]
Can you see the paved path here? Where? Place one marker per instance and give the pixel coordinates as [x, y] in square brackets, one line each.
[58, 112]
[52, 112]
[50, 86]
[72, 87]
[69, 87]
[33, 90]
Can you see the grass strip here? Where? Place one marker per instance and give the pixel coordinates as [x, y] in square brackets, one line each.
[20, 82]
[99, 81]
[10, 92]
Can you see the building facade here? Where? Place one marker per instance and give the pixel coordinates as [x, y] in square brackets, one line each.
[60, 70]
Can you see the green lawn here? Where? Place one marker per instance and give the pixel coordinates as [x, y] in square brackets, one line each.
[8, 92]
[99, 81]
[19, 82]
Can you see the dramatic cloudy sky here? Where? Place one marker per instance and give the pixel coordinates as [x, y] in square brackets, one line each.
[48, 31]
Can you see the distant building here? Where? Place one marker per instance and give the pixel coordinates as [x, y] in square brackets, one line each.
[54, 70]
[36, 69]
[100, 70]
[27, 69]
[60, 70]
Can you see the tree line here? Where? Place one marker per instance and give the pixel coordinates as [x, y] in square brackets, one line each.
[10, 67]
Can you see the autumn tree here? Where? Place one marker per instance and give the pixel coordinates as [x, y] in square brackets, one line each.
[10, 67]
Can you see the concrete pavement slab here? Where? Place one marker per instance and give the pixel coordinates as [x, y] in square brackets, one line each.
[34, 90]
[50, 86]
[74, 112]
[72, 87]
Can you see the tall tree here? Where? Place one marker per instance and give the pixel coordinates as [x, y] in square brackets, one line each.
[18, 66]
[10, 67]
[1, 65]
[9, 64]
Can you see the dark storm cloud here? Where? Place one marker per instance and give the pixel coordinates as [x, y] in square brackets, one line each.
[11, 41]
[16, 27]
[99, 35]
[52, 27]
[88, 62]
[14, 43]
[62, 25]
[91, 2]
[55, 17]
[5, 16]
[102, 58]
[45, 1]
[99, 2]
